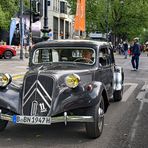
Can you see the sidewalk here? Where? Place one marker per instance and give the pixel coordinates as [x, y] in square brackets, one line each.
[14, 66]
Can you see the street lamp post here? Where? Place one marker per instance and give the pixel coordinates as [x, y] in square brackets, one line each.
[45, 29]
[30, 26]
[21, 29]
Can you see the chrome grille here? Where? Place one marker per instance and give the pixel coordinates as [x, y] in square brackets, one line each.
[37, 95]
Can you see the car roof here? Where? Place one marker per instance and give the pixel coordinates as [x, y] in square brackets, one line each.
[70, 43]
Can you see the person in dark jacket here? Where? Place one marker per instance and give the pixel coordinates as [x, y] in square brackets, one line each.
[125, 48]
[135, 55]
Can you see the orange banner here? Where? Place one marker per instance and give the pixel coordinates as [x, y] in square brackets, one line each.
[82, 22]
[79, 24]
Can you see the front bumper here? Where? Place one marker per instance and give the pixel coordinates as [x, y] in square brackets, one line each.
[65, 118]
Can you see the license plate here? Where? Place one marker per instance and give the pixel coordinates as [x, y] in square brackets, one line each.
[32, 120]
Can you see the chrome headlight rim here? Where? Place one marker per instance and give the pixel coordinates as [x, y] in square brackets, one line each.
[72, 80]
[5, 80]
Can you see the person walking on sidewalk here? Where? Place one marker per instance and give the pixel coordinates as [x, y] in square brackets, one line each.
[50, 35]
[125, 48]
[135, 55]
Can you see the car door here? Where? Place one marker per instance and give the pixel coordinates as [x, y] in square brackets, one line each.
[104, 72]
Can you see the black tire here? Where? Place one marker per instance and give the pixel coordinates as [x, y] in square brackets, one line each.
[118, 95]
[8, 54]
[3, 125]
[94, 129]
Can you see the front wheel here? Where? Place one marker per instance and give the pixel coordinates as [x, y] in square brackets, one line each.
[94, 129]
[3, 125]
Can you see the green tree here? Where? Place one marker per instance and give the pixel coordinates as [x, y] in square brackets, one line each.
[144, 36]
[125, 18]
[8, 9]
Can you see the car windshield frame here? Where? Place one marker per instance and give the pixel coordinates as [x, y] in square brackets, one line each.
[94, 55]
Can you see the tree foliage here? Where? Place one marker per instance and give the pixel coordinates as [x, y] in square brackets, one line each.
[8, 9]
[125, 18]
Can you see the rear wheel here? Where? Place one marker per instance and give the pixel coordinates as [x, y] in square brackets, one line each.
[94, 129]
[118, 95]
[8, 54]
[3, 125]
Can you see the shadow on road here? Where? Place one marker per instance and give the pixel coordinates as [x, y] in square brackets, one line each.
[45, 136]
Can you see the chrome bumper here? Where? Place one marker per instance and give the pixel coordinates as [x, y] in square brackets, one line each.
[58, 119]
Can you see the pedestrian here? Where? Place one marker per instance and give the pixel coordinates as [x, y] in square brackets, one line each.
[25, 45]
[50, 35]
[120, 48]
[125, 48]
[135, 54]
[61, 34]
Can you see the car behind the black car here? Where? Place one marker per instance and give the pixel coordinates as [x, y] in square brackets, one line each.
[67, 81]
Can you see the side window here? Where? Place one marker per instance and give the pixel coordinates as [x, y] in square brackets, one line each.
[104, 56]
[42, 56]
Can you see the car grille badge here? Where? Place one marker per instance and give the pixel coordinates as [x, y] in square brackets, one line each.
[34, 107]
[42, 108]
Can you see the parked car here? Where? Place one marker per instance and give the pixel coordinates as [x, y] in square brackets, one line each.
[67, 81]
[7, 51]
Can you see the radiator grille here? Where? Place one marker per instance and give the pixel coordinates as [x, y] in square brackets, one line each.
[37, 95]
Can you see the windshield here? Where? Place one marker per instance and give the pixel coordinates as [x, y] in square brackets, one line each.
[67, 55]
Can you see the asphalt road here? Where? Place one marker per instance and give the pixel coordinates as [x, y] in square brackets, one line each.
[125, 122]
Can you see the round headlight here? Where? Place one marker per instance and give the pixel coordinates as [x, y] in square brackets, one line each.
[72, 80]
[5, 79]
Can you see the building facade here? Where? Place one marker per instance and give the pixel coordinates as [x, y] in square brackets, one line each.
[59, 19]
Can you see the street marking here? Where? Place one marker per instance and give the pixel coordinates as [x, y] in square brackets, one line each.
[135, 124]
[142, 94]
[140, 97]
[129, 91]
[19, 76]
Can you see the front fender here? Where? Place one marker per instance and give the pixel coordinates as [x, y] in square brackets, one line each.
[71, 99]
[10, 99]
[99, 91]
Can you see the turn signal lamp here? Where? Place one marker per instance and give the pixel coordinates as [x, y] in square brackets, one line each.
[5, 79]
[72, 80]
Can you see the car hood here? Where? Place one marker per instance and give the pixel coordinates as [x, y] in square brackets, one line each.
[59, 75]
[5, 46]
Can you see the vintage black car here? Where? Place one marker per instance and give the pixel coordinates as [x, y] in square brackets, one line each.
[67, 81]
